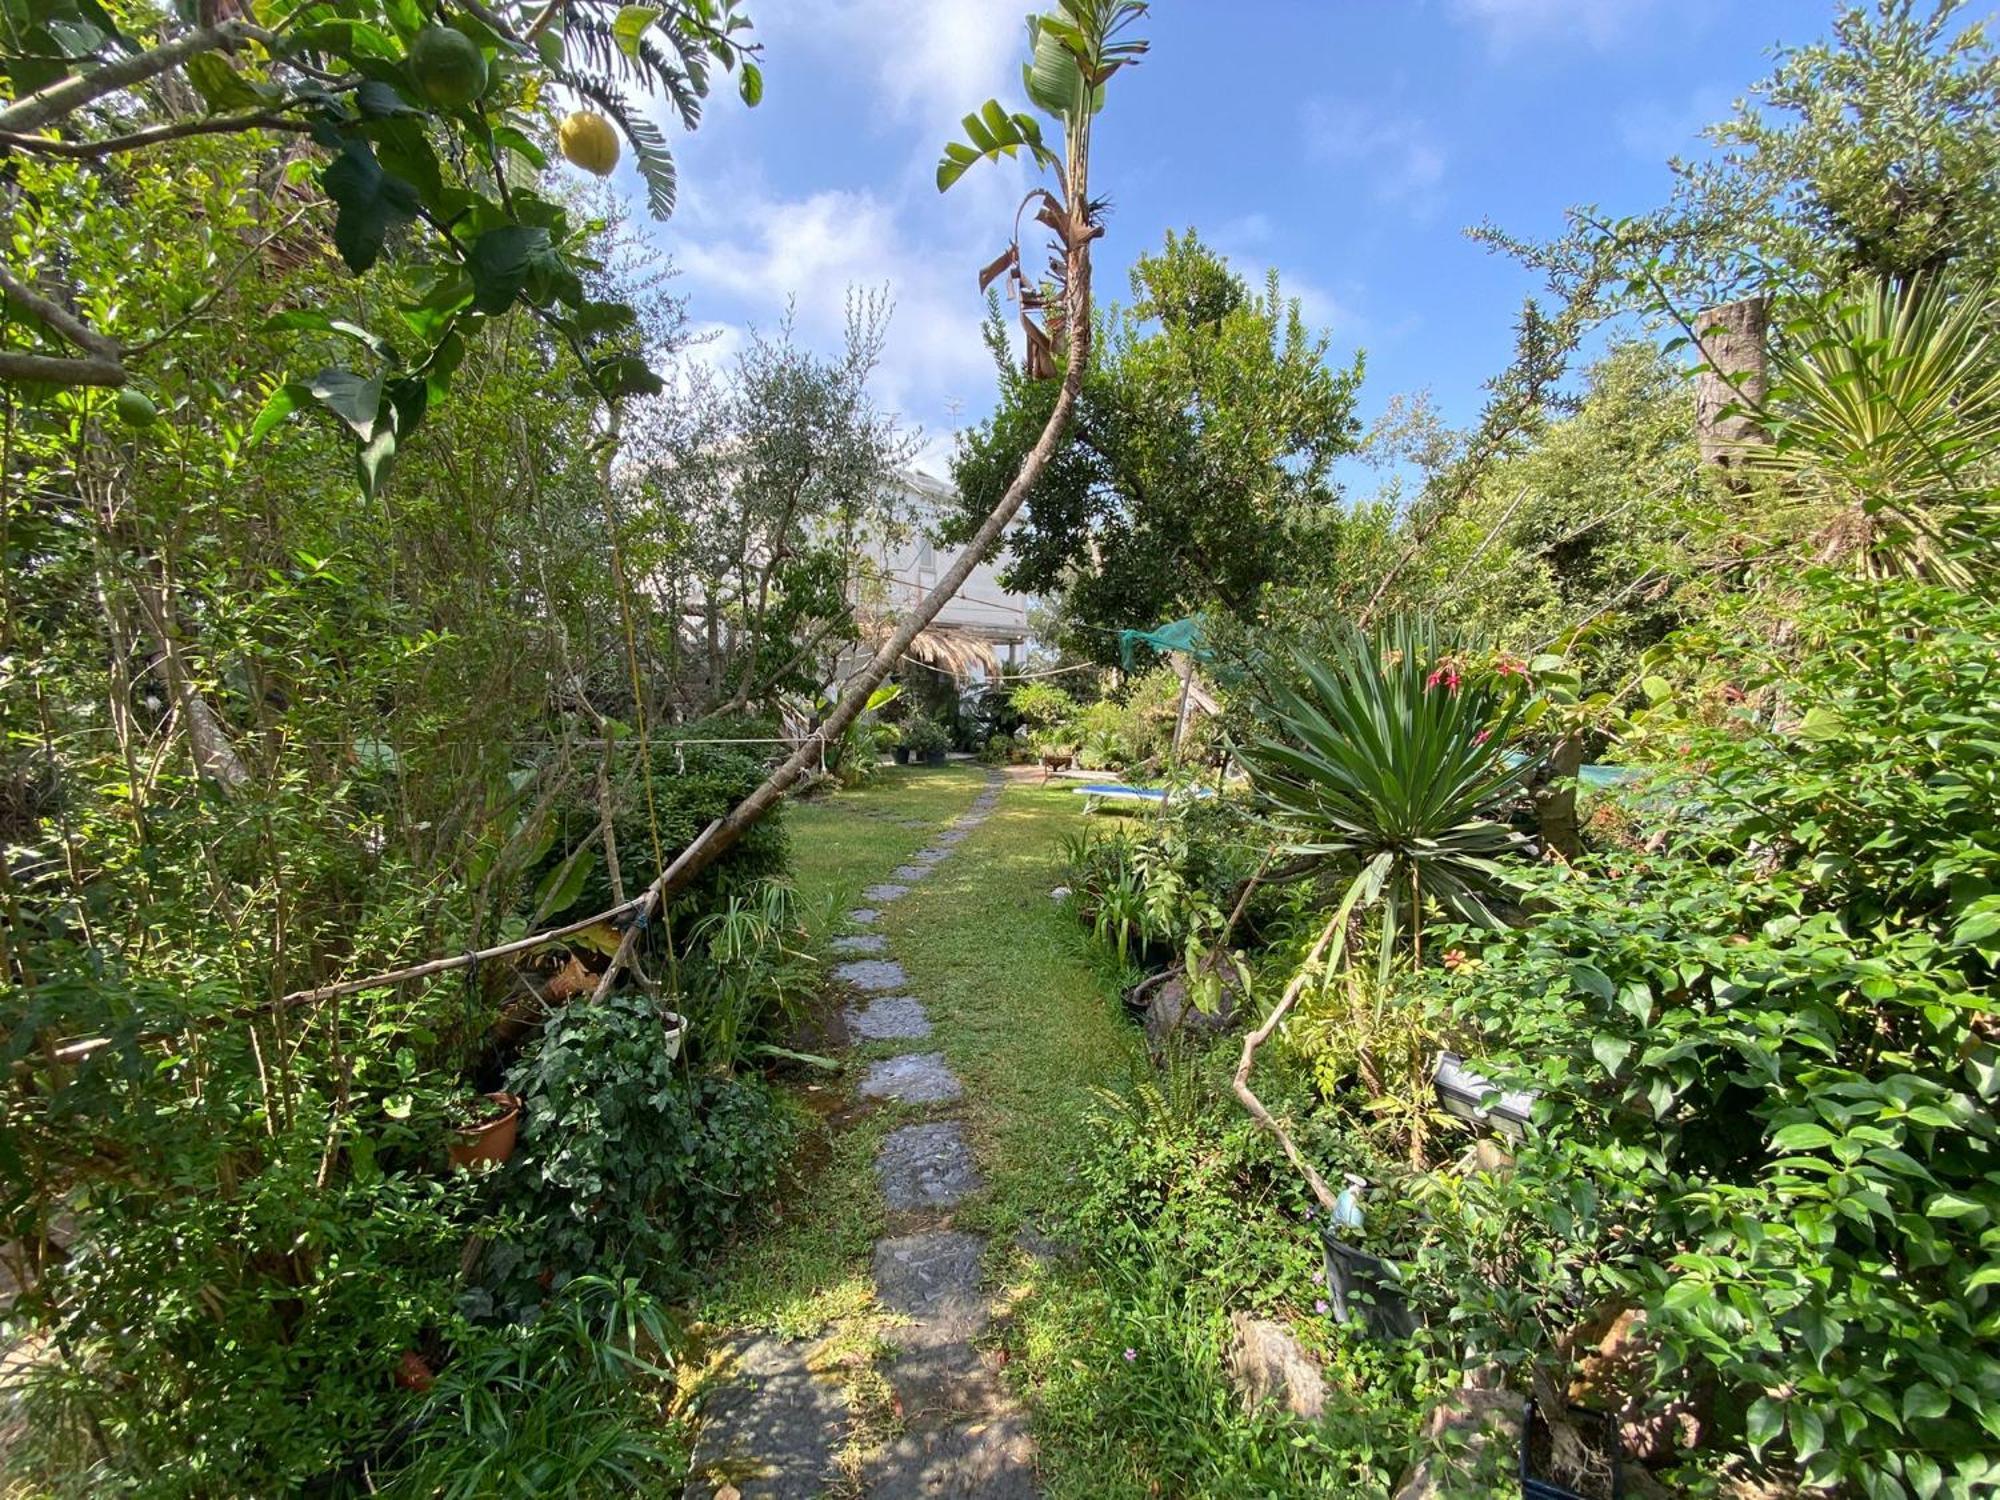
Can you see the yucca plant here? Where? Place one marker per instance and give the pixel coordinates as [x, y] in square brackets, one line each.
[1392, 762]
[1885, 410]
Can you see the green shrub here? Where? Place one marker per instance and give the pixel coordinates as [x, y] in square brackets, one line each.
[628, 1159]
[924, 736]
[691, 786]
[1768, 1062]
[569, 1403]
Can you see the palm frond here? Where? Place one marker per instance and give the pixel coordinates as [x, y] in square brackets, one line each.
[1884, 408]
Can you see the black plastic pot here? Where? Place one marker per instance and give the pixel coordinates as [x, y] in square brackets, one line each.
[1536, 1487]
[1366, 1290]
[902, 754]
[934, 757]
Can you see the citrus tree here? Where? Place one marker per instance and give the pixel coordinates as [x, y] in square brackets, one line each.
[420, 125]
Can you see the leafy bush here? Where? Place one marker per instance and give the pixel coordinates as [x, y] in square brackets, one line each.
[691, 785]
[1043, 705]
[569, 1403]
[627, 1159]
[924, 736]
[1768, 1061]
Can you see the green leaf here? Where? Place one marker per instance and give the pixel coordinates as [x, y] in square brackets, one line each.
[221, 87]
[620, 375]
[500, 262]
[368, 202]
[378, 99]
[372, 462]
[280, 404]
[1590, 978]
[631, 24]
[751, 85]
[1611, 1051]
[1766, 1419]
[355, 399]
[1804, 1136]
[559, 889]
[1924, 1400]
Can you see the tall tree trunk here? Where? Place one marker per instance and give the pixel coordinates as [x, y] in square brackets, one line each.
[1736, 362]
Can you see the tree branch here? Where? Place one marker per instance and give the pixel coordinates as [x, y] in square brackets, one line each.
[43, 145]
[66, 96]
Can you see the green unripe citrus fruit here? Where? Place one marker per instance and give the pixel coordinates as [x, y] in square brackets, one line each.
[135, 408]
[589, 142]
[447, 67]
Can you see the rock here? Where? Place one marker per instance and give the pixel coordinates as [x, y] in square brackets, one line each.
[864, 916]
[1475, 1438]
[1171, 1009]
[913, 1078]
[861, 943]
[771, 1428]
[926, 1166]
[876, 976]
[889, 1018]
[909, 874]
[1267, 1364]
[1060, 893]
[882, 895]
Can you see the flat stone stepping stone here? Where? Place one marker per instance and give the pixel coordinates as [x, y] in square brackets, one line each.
[909, 874]
[933, 1279]
[876, 976]
[883, 894]
[864, 916]
[772, 1428]
[926, 1166]
[913, 1078]
[861, 942]
[984, 1454]
[891, 1018]
[927, 857]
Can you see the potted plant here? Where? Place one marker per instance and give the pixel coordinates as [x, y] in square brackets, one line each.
[1364, 1289]
[494, 1122]
[1591, 1472]
[926, 740]
[902, 753]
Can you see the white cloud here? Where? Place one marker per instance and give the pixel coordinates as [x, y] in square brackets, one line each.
[930, 60]
[1395, 154]
[813, 252]
[1511, 25]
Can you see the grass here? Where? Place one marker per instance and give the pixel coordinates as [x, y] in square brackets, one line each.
[1115, 1346]
[807, 1273]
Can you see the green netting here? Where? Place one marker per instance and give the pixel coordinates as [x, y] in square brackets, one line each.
[1175, 635]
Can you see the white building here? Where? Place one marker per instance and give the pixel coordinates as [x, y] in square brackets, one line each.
[984, 626]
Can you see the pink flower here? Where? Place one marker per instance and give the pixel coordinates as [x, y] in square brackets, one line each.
[1318, 1277]
[1445, 672]
[1482, 737]
[1454, 958]
[1320, 1307]
[1511, 667]
[1130, 1355]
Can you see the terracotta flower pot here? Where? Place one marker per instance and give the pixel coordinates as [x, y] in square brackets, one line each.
[491, 1140]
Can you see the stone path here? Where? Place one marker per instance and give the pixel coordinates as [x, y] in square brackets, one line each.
[775, 1428]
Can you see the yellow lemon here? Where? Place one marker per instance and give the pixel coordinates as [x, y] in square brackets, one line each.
[589, 142]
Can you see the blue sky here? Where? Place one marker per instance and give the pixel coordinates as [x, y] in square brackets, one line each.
[1348, 143]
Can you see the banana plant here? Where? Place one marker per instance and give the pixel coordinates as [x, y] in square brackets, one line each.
[1394, 760]
[1073, 52]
